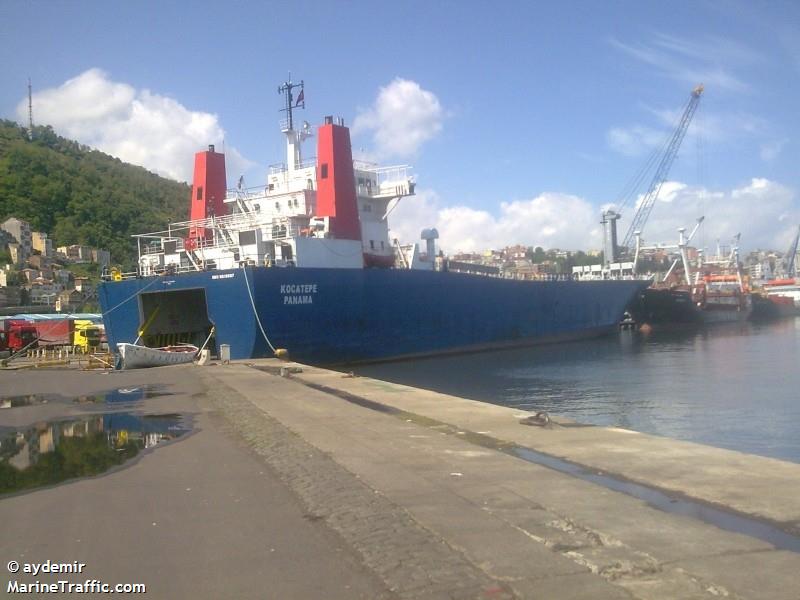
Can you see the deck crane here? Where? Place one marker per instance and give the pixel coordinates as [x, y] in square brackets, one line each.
[647, 203]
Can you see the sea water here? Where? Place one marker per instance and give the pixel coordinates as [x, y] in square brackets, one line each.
[734, 386]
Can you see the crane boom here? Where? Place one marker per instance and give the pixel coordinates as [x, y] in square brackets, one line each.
[788, 265]
[640, 218]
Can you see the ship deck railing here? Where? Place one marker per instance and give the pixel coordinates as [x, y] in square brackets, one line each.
[279, 168]
[246, 260]
[229, 223]
[384, 175]
[252, 193]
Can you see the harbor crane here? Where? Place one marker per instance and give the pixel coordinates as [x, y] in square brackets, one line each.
[683, 243]
[788, 264]
[612, 251]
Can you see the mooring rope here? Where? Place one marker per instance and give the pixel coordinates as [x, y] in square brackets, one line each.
[255, 312]
[132, 296]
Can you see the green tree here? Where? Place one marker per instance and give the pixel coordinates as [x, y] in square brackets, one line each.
[82, 196]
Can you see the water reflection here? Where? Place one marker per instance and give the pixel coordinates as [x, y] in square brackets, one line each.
[131, 394]
[51, 452]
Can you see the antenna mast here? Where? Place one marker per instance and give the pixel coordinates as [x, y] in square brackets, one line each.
[290, 103]
[294, 139]
[30, 110]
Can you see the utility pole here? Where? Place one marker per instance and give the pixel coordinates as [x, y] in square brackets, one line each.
[30, 111]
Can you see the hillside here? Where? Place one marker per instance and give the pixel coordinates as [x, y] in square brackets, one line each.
[82, 196]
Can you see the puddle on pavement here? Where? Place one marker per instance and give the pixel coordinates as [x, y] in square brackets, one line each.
[671, 503]
[50, 452]
[115, 396]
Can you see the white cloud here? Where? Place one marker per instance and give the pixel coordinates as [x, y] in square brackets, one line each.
[719, 128]
[772, 149]
[634, 141]
[710, 48]
[137, 126]
[763, 211]
[707, 60]
[403, 117]
[712, 61]
[549, 220]
[722, 126]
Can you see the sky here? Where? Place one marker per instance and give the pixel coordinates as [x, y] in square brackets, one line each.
[522, 120]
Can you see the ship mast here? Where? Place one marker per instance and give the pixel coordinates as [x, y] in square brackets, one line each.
[293, 138]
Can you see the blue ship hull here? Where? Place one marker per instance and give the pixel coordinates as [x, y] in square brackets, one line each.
[340, 316]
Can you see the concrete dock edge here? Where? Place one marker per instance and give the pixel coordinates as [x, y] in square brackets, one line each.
[437, 516]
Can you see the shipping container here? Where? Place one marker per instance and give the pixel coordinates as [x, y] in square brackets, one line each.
[54, 332]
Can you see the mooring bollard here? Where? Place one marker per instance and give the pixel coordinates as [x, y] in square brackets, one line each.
[204, 358]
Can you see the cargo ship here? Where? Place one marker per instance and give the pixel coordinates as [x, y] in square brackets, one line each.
[715, 299]
[778, 298]
[706, 292]
[304, 264]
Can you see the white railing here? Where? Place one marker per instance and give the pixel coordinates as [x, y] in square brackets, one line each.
[224, 234]
[251, 193]
[363, 165]
[384, 174]
[278, 168]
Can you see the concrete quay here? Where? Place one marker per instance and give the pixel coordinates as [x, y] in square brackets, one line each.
[317, 484]
[533, 531]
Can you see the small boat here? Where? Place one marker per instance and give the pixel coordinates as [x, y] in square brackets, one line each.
[139, 357]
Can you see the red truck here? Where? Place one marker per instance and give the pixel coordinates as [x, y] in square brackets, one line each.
[15, 334]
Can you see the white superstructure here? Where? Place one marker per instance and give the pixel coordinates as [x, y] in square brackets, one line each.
[279, 224]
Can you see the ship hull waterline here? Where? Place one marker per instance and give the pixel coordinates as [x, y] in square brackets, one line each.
[348, 316]
[674, 308]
